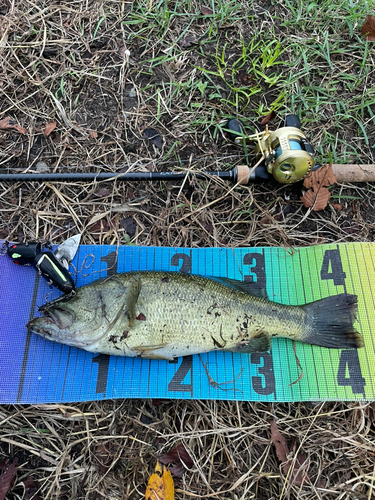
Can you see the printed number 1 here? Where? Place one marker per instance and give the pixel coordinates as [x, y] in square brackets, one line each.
[103, 363]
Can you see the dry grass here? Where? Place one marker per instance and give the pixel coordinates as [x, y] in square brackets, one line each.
[68, 62]
[108, 449]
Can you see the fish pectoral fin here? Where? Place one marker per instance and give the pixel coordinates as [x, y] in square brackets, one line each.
[131, 296]
[261, 342]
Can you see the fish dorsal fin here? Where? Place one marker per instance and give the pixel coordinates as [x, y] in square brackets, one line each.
[261, 342]
[244, 286]
[132, 293]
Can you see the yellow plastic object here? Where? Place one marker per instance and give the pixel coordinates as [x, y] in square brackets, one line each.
[160, 485]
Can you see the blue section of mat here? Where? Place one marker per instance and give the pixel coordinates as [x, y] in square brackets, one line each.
[34, 370]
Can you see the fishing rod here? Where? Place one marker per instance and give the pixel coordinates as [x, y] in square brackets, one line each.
[283, 154]
[343, 173]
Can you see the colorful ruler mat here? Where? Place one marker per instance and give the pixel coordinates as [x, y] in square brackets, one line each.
[33, 370]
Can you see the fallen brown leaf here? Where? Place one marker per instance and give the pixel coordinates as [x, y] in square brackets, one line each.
[7, 477]
[105, 454]
[129, 225]
[50, 127]
[93, 134]
[318, 195]
[266, 220]
[160, 485]
[297, 470]
[368, 29]
[323, 176]
[30, 490]
[181, 457]
[188, 41]
[348, 227]
[6, 124]
[102, 192]
[153, 136]
[337, 206]
[279, 442]
[98, 227]
[311, 199]
[268, 118]
[20, 129]
[206, 11]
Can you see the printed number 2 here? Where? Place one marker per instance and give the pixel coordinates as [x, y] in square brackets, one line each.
[185, 367]
[332, 267]
[186, 262]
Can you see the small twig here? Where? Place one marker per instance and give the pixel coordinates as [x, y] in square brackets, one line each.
[216, 385]
[298, 364]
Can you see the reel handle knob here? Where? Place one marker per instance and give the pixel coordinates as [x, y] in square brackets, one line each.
[292, 121]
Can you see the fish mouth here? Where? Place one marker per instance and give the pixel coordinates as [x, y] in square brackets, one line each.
[48, 328]
[40, 326]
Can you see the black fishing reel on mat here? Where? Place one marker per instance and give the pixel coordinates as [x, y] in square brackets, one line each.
[284, 153]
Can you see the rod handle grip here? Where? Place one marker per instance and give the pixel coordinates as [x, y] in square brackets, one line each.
[354, 173]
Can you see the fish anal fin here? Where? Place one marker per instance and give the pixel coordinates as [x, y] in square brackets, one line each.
[259, 343]
[131, 297]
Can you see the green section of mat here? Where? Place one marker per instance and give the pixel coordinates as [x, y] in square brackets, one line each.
[33, 370]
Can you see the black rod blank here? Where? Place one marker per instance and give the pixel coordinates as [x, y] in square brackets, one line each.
[127, 176]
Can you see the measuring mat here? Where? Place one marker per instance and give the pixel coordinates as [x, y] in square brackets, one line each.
[34, 370]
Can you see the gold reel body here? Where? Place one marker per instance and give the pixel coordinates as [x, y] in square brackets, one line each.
[286, 153]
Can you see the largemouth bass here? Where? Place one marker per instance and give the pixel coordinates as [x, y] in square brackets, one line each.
[164, 315]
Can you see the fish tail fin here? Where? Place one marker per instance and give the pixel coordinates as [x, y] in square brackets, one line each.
[331, 322]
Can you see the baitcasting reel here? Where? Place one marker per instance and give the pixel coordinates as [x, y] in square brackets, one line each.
[284, 153]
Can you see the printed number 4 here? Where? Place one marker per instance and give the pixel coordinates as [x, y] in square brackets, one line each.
[349, 371]
[332, 267]
[349, 364]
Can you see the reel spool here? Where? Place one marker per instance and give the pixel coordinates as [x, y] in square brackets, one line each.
[286, 153]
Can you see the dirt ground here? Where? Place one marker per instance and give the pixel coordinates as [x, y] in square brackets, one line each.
[81, 85]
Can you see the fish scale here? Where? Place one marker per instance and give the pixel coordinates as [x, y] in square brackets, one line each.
[164, 315]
